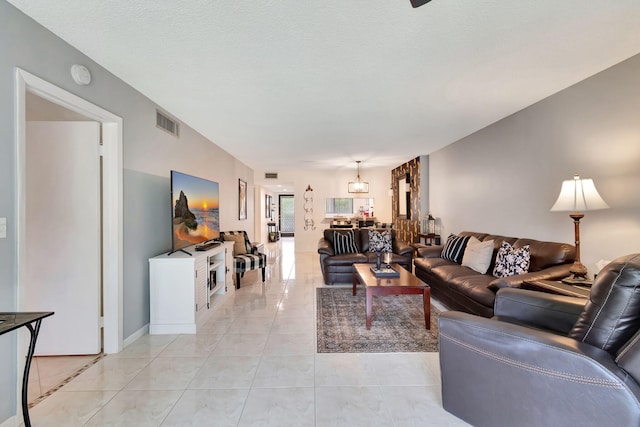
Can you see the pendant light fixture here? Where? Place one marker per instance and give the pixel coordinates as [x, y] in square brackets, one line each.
[358, 186]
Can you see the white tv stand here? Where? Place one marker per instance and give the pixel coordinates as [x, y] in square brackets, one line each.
[181, 286]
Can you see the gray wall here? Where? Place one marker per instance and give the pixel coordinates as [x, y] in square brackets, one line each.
[505, 178]
[149, 155]
[145, 231]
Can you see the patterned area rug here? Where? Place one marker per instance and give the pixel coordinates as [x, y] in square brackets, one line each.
[397, 323]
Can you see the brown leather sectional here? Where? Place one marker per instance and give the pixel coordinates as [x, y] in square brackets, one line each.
[338, 268]
[461, 288]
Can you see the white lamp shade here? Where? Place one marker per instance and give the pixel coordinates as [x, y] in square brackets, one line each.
[578, 195]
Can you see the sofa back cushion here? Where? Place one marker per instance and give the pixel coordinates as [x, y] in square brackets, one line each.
[547, 254]
[543, 254]
[612, 315]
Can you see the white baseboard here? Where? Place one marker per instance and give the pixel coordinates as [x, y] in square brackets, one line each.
[134, 336]
[11, 422]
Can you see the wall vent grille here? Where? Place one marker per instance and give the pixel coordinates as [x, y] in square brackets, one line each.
[167, 124]
[271, 175]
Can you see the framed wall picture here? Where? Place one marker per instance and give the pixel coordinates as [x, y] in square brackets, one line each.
[267, 206]
[242, 199]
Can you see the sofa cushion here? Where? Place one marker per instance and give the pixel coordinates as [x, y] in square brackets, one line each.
[476, 287]
[454, 248]
[449, 272]
[511, 261]
[427, 264]
[380, 241]
[477, 255]
[344, 243]
[345, 259]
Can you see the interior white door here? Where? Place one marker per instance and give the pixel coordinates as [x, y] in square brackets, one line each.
[63, 270]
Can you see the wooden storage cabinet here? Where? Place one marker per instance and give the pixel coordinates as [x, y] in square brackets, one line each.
[181, 287]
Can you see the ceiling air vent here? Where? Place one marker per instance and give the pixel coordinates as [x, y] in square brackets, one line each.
[168, 124]
[271, 175]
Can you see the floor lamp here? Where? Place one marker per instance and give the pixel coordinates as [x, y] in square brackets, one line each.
[577, 196]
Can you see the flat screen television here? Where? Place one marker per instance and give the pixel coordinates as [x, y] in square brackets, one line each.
[195, 210]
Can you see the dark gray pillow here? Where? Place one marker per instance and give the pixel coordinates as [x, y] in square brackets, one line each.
[344, 243]
[612, 314]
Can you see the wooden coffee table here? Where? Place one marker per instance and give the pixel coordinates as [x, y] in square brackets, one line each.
[407, 283]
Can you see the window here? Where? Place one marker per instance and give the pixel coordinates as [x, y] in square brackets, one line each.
[339, 206]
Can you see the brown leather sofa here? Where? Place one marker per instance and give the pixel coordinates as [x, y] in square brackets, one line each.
[461, 288]
[339, 268]
[548, 360]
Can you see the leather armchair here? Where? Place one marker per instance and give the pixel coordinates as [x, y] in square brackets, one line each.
[548, 360]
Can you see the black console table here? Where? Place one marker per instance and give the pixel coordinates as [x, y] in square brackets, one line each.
[11, 321]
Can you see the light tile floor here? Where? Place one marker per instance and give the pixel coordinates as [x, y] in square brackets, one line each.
[49, 372]
[253, 363]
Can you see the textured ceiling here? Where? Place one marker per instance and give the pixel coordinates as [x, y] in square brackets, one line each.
[285, 84]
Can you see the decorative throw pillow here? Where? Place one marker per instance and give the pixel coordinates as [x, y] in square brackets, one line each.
[511, 261]
[477, 255]
[454, 248]
[239, 246]
[344, 243]
[380, 242]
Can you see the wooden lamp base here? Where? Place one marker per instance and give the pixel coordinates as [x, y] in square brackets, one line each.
[578, 270]
[578, 275]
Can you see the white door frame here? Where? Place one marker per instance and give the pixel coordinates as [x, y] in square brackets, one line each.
[112, 206]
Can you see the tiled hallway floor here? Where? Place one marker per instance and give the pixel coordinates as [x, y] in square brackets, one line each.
[253, 363]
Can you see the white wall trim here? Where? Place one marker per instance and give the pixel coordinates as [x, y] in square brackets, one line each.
[112, 238]
[11, 422]
[134, 336]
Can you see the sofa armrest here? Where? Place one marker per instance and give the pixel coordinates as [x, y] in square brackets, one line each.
[498, 337]
[551, 273]
[325, 247]
[544, 370]
[402, 248]
[430, 251]
[538, 309]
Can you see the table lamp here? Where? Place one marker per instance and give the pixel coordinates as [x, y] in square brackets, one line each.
[577, 196]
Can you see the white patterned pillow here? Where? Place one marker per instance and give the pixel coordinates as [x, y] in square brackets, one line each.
[344, 243]
[511, 261]
[380, 241]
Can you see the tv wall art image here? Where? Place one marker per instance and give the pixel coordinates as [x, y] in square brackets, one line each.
[196, 210]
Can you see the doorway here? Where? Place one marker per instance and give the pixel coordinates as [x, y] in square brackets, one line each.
[112, 229]
[62, 226]
[287, 214]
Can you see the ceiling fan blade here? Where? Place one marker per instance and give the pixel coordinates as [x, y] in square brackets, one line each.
[416, 3]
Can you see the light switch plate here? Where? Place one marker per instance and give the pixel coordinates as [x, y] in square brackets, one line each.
[3, 228]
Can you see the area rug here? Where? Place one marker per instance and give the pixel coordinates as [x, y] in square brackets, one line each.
[397, 323]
